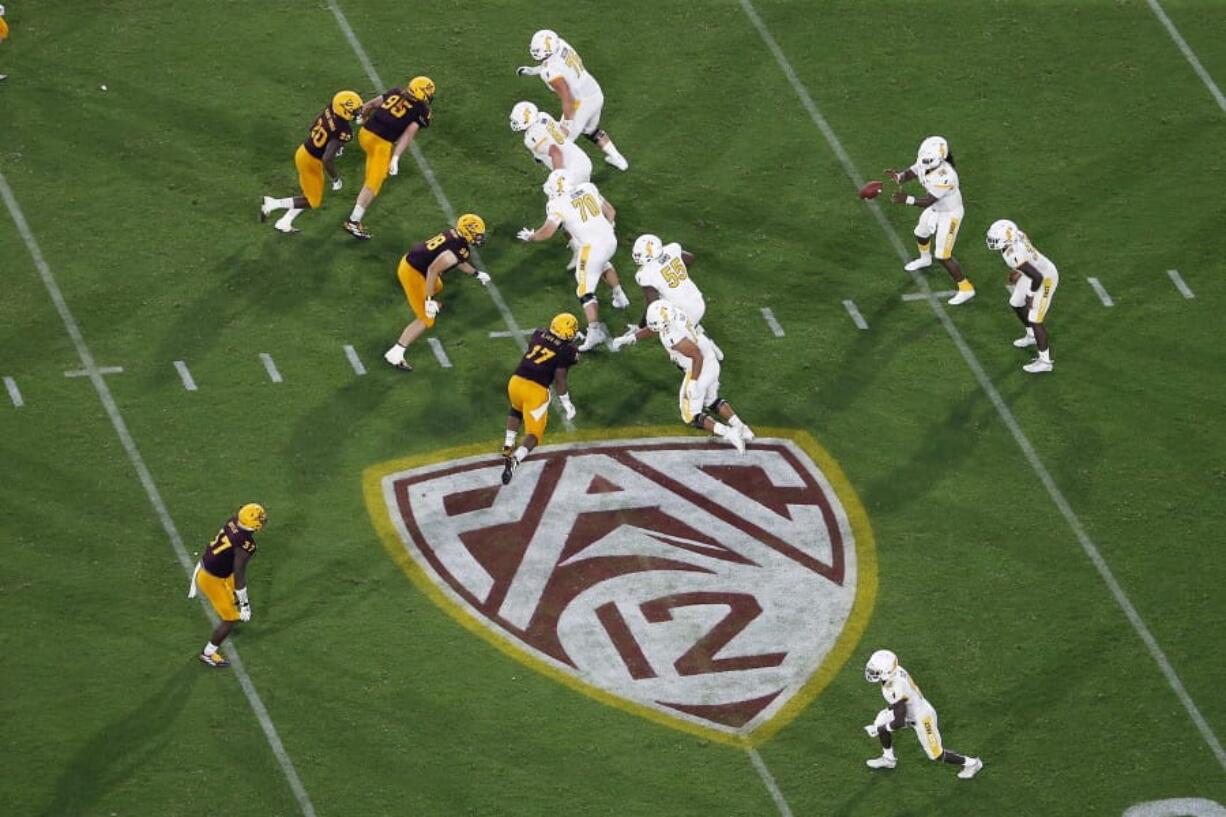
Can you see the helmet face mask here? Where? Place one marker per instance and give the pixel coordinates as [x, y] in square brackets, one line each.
[558, 184]
[932, 151]
[471, 228]
[881, 667]
[252, 516]
[523, 115]
[646, 247]
[422, 89]
[543, 44]
[564, 325]
[346, 104]
[1002, 234]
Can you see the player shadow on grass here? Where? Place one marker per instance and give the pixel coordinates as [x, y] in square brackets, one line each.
[122, 749]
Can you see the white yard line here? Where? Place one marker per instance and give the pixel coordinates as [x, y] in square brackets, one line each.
[856, 317]
[270, 366]
[440, 354]
[1177, 280]
[185, 375]
[1023, 442]
[768, 780]
[439, 196]
[155, 497]
[99, 370]
[14, 392]
[1101, 291]
[772, 322]
[923, 296]
[508, 334]
[1189, 54]
[355, 361]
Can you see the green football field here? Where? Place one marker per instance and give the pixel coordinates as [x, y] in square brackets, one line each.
[1042, 552]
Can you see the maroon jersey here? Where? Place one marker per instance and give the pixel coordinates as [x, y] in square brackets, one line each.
[218, 557]
[398, 111]
[423, 253]
[327, 126]
[546, 354]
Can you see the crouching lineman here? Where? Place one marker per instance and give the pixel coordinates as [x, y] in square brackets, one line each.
[221, 575]
[696, 355]
[588, 218]
[546, 143]
[421, 277]
[907, 709]
[582, 99]
[1034, 278]
[663, 272]
[943, 211]
[329, 133]
[550, 355]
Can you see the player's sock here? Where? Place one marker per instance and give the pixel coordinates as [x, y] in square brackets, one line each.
[395, 355]
[509, 439]
[888, 753]
[923, 248]
[965, 285]
[521, 454]
[287, 221]
[953, 759]
[358, 212]
[1045, 355]
[210, 648]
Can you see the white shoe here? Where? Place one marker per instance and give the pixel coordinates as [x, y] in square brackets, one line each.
[919, 263]
[1037, 365]
[618, 161]
[734, 436]
[596, 335]
[289, 228]
[961, 297]
[1024, 341]
[972, 767]
[266, 207]
[620, 300]
[882, 762]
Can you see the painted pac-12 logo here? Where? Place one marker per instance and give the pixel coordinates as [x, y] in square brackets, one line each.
[671, 576]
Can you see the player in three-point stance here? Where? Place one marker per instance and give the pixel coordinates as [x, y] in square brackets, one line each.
[907, 708]
[1034, 278]
[664, 272]
[693, 352]
[546, 363]
[548, 145]
[582, 99]
[421, 277]
[943, 211]
[314, 157]
[221, 575]
[588, 218]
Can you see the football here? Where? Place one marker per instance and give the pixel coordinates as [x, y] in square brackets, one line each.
[870, 190]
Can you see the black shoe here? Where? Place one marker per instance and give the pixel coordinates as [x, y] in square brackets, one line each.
[355, 229]
[508, 468]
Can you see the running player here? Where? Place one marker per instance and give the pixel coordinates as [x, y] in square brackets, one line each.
[550, 355]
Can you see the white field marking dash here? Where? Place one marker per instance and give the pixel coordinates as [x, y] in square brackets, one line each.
[1002, 409]
[1101, 292]
[922, 296]
[440, 354]
[155, 497]
[508, 334]
[271, 367]
[439, 196]
[772, 322]
[101, 370]
[185, 375]
[856, 317]
[354, 360]
[1180, 284]
[768, 780]
[1189, 54]
[14, 392]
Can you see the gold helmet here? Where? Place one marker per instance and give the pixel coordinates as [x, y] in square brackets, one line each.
[564, 325]
[346, 104]
[252, 516]
[422, 89]
[471, 228]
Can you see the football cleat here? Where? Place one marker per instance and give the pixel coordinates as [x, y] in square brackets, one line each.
[266, 208]
[618, 161]
[508, 468]
[356, 229]
[287, 230]
[972, 767]
[620, 299]
[923, 262]
[734, 436]
[596, 335]
[961, 297]
[216, 660]
[884, 762]
[1037, 366]
[1024, 341]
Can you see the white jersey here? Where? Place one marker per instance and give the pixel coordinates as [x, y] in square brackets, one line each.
[941, 182]
[902, 688]
[580, 212]
[667, 274]
[1023, 252]
[565, 63]
[678, 329]
[543, 134]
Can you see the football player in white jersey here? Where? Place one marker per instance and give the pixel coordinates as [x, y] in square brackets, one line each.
[695, 354]
[907, 708]
[544, 139]
[663, 272]
[1034, 278]
[588, 218]
[943, 211]
[582, 99]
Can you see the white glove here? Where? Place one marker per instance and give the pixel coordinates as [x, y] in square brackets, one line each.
[393, 167]
[691, 393]
[337, 184]
[525, 234]
[1, 11]
[568, 408]
[483, 278]
[567, 125]
[244, 605]
[432, 308]
[871, 729]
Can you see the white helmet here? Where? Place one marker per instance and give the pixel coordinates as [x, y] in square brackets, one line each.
[544, 43]
[881, 667]
[522, 115]
[660, 313]
[1002, 234]
[932, 151]
[558, 184]
[646, 247]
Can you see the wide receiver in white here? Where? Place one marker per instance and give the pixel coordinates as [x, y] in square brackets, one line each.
[582, 100]
[907, 708]
[699, 399]
[943, 211]
[588, 218]
[1034, 278]
[664, 272]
